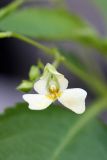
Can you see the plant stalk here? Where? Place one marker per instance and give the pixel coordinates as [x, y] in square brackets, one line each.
[98, 87]
[10, 8]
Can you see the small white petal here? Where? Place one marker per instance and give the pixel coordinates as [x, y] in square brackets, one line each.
[40, 86]
[63, 82]
[74, 99]
[37, 101]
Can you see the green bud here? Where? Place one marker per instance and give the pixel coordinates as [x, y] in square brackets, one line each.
[34, 73]
[50, 68]
[25, 86]
[51, 74]
[40, 65]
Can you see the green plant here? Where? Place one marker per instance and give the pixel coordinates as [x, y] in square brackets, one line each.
[55, 133]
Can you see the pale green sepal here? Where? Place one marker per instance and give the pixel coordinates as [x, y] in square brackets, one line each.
[25, 86]
[34, 73]
[50, 68]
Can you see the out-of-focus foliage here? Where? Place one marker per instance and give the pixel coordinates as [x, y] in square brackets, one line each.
[26, 135]
[45, 23]
[53, 24]
[75, 65]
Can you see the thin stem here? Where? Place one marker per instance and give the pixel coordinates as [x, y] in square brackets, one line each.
[5, 34]
[10, 8]
[92, 112]
[51, 51]
[34, 43]
[98, 87]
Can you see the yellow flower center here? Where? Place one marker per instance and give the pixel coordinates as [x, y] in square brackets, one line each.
[54, 92]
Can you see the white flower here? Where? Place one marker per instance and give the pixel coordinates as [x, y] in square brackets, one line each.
[53, 86]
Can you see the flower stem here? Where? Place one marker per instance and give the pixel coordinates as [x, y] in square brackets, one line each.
[5, 34]
[51, 51]
[10, 8]
[96, 85]
[34, 43]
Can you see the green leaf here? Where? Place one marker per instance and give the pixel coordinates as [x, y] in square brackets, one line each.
[45, 23]
[53, 24]
[34, 73]
[29, 135]
[25, 86]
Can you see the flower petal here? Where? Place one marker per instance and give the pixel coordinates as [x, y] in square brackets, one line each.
[37, 101]
[74, 99]
[63, 82]
[40, 86]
